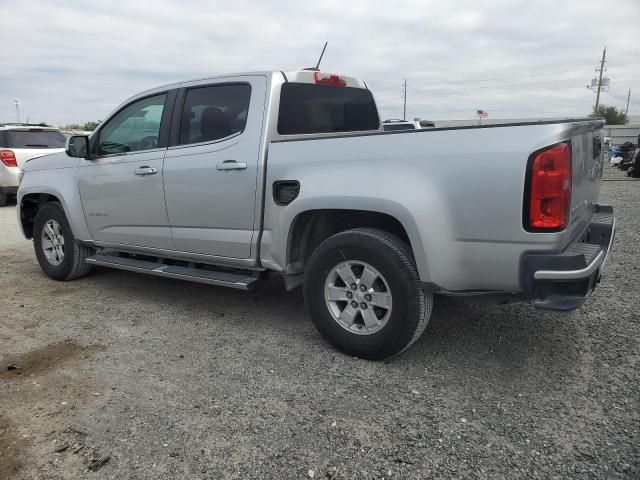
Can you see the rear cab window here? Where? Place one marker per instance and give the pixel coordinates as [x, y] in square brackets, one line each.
[309, 108]
[32, 138]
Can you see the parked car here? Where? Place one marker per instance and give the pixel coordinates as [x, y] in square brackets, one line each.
[19, 143]
[393, 125]
[229, 179]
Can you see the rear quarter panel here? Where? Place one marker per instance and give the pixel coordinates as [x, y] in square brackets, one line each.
[457, 192]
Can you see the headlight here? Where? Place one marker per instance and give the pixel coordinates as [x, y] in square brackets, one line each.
[20, 175]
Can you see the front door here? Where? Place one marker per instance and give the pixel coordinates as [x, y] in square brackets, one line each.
[122, 190]
[210, 176]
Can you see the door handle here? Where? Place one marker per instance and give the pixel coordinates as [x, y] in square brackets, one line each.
[231, 165]
[142, 171]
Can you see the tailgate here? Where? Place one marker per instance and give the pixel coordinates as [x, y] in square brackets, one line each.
[587, 161]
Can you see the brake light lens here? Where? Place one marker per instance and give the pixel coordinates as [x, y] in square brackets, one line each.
[329, 79]
[8, 158]
[550, 181]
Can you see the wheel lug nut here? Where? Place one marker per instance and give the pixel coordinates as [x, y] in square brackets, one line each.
[363, 288]
[367, 297]
[363, 306]
[349, 295]
[354, 304]
[353, 286]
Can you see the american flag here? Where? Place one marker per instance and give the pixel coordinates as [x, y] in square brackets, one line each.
[482, 113]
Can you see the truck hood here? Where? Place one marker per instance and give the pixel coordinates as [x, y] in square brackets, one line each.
[50, 162]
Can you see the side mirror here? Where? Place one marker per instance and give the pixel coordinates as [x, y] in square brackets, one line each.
[77, 146]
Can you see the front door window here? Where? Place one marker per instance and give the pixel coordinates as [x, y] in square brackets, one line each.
[135, 128]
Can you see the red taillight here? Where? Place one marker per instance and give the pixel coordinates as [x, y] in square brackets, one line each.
[8, 158]
[329, 79]
[550, 187]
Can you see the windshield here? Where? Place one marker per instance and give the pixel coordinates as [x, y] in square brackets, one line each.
[34, 139]
[309, 108]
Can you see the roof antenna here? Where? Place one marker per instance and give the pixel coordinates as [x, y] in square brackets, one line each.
[317, 67]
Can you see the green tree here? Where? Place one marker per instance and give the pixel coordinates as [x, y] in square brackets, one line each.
[91, 126]
[87, 126]
[612, 115]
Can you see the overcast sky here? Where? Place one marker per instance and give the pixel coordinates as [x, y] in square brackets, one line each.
[75, 60]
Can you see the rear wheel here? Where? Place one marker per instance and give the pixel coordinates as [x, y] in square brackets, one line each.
[58, 253]
[364, 295]
[3, 199]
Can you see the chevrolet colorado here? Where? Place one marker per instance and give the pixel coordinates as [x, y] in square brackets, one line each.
[224, 180]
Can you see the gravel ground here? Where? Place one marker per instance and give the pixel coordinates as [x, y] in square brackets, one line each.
[148, 378]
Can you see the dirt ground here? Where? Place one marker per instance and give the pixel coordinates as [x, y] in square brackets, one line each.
[124, 376]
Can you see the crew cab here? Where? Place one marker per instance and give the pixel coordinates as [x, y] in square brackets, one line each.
[229, 179]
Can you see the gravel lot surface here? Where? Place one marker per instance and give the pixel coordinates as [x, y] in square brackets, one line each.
[147, 378]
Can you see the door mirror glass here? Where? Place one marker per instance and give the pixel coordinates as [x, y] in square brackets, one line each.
[77, 146]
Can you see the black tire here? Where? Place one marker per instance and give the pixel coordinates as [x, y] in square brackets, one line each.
[392, 258]
[3, 199]
[73, 264]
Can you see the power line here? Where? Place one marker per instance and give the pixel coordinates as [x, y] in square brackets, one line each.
[624, 98]
[425, 87]
[549, 82]
[503, 78]
[459, 85]
[472, 93]
[475, 80]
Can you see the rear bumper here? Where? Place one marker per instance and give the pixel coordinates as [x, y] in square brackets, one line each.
[563, 281]
[8, 177]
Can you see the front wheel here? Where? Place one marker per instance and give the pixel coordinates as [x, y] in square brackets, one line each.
[58, 253]
[364, 295]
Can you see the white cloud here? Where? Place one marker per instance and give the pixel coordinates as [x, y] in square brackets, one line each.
[71, 60]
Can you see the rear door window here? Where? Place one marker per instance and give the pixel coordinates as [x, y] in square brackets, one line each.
[310, 108]
[33, 139]
[214, 112]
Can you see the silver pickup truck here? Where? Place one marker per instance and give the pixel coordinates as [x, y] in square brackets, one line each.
[228, 179]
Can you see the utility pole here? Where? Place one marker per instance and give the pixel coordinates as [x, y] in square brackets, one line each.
[17, 103]
[404, 96]
[628, 99]
[601, 70]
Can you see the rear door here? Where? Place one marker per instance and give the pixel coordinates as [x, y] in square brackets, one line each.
[211, 171]
[122, 188]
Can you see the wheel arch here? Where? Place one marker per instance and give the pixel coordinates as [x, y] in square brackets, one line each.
[39, 187]
[29, 206]
[309, 228]
[29, 203]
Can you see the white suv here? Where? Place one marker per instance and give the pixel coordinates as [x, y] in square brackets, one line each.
[19, 143]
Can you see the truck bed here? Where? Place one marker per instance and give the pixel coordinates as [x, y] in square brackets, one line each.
[458, 192]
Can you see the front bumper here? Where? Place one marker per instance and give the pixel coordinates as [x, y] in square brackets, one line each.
[563, 281]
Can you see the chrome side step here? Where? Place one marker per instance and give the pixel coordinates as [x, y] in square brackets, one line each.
[224, 279]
